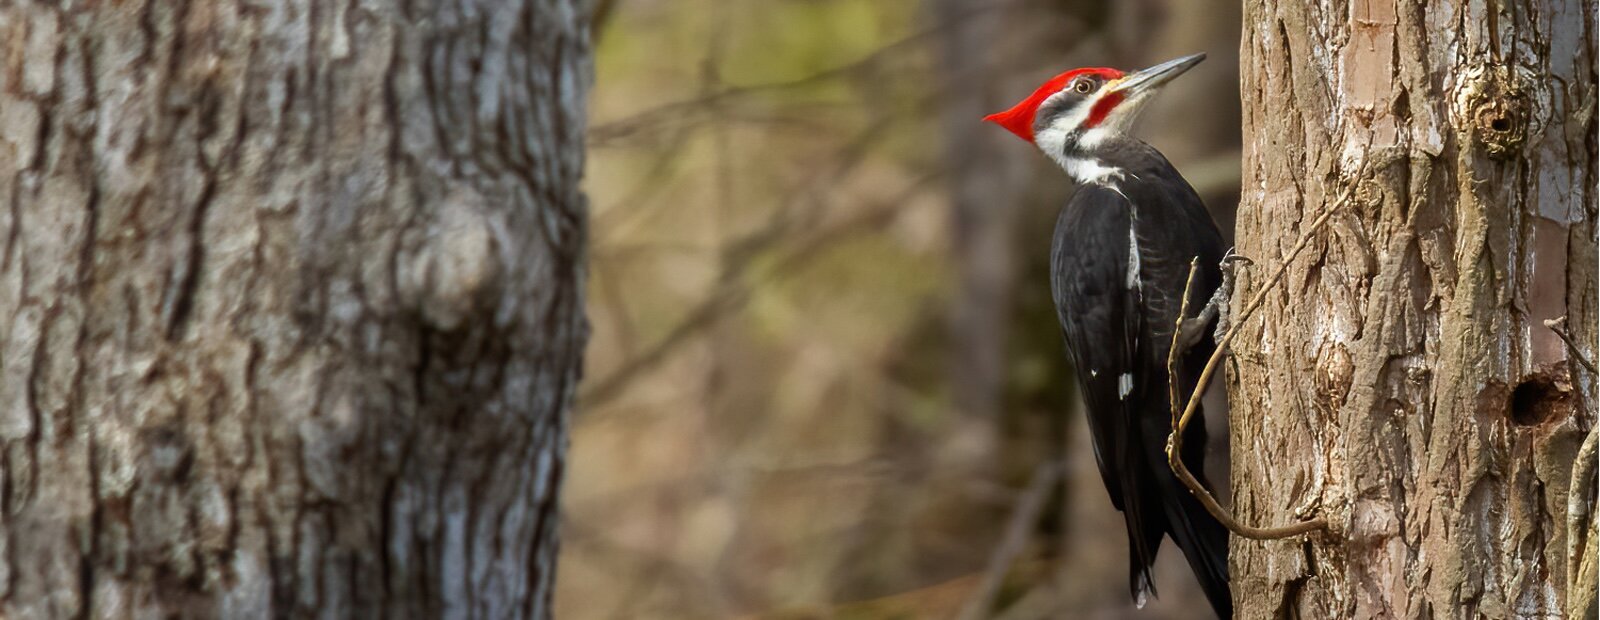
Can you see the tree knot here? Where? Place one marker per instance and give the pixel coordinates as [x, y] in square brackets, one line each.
[454, 268]
[1496, 108]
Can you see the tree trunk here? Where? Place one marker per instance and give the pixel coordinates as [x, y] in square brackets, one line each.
[1401, 382]
[982, 172]
[294, 305]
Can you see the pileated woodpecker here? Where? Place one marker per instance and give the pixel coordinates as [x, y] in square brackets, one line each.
[1118, 266]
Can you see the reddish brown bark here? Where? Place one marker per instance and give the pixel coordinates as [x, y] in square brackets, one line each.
[1403, 384]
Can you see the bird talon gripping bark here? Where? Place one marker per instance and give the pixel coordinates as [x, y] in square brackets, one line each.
[1216, 308]
[1219, 303]
[1119, 268]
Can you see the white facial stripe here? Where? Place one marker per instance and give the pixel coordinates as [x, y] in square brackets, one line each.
[1074, 116]
[1052, 138]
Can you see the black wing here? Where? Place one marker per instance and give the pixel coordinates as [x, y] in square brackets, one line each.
[1097, 302]
[1175, 229]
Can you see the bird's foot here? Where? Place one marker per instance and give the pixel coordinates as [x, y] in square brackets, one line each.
[1230, 265]
[1216, 308]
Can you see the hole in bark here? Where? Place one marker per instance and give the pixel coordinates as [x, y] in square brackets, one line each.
[1500, 125]
[1537, 400]
[168, 452]
[1402, 105]
[1499, 106]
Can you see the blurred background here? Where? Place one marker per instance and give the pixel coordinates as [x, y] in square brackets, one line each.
[825, 372]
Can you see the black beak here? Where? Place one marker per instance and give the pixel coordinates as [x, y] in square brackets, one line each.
[1152, 78]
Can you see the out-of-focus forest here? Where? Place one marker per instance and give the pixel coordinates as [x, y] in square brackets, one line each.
[825, 377]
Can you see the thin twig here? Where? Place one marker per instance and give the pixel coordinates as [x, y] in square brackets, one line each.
[1181, 422]
[734, 291]
[1040, 602]
[1023, 517]
[1172, 356]
[1580, 506]
[601, 132]
[1559, 326]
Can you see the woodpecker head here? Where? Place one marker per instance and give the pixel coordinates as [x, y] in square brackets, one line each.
[1075, 116]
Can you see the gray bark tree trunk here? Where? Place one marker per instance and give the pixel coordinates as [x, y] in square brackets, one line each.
[982, 173]
[1401, 382]
[293, 305]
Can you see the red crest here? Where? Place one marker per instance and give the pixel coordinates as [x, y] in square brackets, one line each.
[1019, 119]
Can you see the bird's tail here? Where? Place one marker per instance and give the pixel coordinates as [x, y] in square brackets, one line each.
[1144, 539]
[1146, 518]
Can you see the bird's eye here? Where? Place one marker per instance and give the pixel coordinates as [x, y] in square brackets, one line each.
[1083, 87]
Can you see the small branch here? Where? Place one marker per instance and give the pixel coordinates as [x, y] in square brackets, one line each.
[1581, 498]
[1580, 507]
[1023, 517]
[1181, 422]
[1559, 326]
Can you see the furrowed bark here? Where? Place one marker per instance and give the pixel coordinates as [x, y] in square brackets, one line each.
[1402, 384]
[293, 300]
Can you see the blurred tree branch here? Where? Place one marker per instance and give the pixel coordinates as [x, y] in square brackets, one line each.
[1024, 516]
[600, 17]
[653, 566]
[870, 66]
[733, 289]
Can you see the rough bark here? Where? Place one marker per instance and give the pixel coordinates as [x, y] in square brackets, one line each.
[293, 305]
[1401, 383]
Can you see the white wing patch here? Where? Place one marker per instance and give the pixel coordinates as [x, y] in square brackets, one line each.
[1124, 385]
[1133, 259]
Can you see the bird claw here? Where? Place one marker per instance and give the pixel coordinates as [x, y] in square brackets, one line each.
[1231, 258]
[1229, 265]
[1217, 307]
